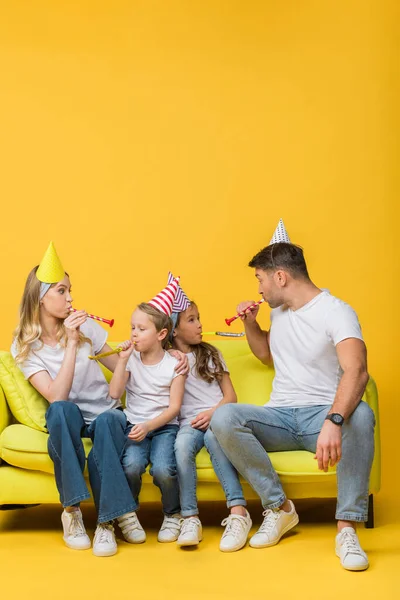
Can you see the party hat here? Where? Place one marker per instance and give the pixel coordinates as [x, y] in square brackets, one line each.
[280, 234]
[165, 299]
[181, 301]
[50, 269]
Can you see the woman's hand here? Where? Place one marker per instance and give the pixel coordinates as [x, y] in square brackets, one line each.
[72, 324]
[139, 432]
[202, 421]
[182, 368]
[127, 349]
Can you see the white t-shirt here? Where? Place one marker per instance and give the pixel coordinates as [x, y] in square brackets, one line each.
[199, 395]
[148, 388]
[307, 370]
[89, 387]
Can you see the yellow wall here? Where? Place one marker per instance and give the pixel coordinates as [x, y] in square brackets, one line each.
[147, 136]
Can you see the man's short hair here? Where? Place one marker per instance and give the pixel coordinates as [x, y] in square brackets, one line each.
[287, 257]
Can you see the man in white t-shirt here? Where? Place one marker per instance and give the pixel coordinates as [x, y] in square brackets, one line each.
[320, 360]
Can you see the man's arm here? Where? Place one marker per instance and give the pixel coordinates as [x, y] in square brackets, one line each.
[258, 339]
[352, 356]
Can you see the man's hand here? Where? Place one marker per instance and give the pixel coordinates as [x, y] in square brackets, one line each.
[138, 432]
[329, 446]
[202, 421]
[250, 314]
[182, 368]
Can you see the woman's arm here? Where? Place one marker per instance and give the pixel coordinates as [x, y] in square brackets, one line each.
[202, 420]
[139, 432]
[109, 362]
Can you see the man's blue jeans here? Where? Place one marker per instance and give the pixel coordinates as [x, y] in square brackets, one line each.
[157, 448]
[247, 433]
[66, 427]
[188, 444]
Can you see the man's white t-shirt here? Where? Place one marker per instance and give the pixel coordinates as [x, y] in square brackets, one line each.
[148, 388]
[89, 387]
[303, 346]
[199, 395]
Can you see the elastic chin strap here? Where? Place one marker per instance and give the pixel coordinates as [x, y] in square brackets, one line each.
[44, 288]
[174, 319]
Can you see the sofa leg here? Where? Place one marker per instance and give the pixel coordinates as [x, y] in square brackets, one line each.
[370, 523]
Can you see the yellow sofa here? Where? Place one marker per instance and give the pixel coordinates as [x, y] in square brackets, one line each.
[26, 471]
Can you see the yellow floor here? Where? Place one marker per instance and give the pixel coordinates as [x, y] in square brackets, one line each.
[34, 563]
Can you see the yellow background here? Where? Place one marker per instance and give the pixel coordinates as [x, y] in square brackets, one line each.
[147, 136]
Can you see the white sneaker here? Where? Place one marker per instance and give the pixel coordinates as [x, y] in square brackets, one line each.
[348, 549]
[191, 532]
[75, 535]
[236, 531]
[170, 528]
[131, 528]
[104, 543]
[276, 523]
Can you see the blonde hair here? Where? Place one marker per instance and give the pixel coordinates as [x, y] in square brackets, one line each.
[160, 320]
[29, 329]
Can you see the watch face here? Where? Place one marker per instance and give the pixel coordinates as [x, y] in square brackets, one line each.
[337, 419]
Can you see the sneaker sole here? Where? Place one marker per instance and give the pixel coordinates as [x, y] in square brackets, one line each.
[236, 548]
[288, 527]
[188, 543]
[89, 545]
[356, 568]
[104, 552]
[167, 541]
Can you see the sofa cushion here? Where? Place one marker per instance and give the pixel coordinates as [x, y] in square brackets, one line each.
[26, 404]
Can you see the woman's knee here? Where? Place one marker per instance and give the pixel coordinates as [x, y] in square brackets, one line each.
[111, 417]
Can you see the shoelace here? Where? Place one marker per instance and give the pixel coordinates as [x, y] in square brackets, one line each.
[189, 525]
[270, 519]
[235, 525]
[76, 528]
[104, 533]
[171, 523]
[350, 542]
[129, 524]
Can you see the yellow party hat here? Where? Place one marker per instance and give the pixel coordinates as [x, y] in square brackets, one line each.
[50, 269]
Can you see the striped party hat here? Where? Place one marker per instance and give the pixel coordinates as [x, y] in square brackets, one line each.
[165, 299]
[181, 301]
[280, 234]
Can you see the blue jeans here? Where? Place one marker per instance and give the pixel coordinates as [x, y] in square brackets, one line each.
[188, 444]
[66, 427]
[157, 448]
[247, 433]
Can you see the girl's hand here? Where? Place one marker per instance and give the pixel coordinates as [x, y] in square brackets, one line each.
[139, 432]
[72, 324]
[250, 314]
[127, 349]
[182, 368]
[202, 421]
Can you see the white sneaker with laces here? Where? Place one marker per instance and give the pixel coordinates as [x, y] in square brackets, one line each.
[276, 523]
[75, 535]
[104, 543]
[348, 549]
[131, 528]
[236, 532]
[191, 532]
[170, 528]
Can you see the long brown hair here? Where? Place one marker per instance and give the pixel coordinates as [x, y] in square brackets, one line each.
[203, 352]
[29, 329]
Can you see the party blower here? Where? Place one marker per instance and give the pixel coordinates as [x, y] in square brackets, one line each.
[224, 333]
[243, 312]
[108, 321]
[104, 354]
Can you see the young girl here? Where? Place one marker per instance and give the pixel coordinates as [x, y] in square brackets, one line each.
[154, 393]
[51, 347]
[208, 386]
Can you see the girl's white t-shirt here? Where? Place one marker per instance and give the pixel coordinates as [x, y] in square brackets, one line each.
[199, 395]
[89, 387]
[148, 388]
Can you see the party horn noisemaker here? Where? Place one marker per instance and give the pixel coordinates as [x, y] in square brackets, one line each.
[224, 333]
[104, 354]
[229, 321]
[108, 321]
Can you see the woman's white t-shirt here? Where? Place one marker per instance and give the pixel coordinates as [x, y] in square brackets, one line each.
[148, 388]
[89, 387]
[199, 395]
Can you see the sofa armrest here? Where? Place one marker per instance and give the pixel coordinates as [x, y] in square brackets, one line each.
[5, 414]
[371, 398]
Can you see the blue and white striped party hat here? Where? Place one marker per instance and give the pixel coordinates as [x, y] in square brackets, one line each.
[181, 301]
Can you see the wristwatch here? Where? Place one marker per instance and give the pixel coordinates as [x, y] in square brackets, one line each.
[336, 418]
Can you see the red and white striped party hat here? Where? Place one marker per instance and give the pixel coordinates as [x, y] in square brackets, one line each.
[165, 299]
[280, 234]
[181, 302]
